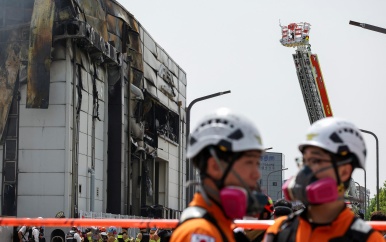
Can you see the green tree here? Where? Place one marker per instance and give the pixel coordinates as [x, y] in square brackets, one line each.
[372, 206]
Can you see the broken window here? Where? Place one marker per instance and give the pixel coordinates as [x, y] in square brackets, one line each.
[160, 121]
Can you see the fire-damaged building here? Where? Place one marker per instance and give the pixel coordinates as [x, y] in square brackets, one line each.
[92, 112]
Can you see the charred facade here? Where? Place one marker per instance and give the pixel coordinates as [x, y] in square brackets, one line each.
[91, 105]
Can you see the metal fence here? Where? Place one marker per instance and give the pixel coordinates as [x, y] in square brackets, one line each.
[132, 232]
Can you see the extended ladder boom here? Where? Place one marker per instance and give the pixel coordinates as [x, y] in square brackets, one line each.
[308, 71]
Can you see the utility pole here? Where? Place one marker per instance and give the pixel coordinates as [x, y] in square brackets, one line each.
[377, 161]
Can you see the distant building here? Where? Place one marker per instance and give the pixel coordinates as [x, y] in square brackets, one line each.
[271, 165]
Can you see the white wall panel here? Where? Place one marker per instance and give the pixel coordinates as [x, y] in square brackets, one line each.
[99, 129]
[99, 149]
[173, 190]
[151, 60]
[83, 143]
[37, 184]
[149, 86]
[82, 165]
[149, 43]
[100, 87]
[83, 122]
[163, 98]
[57, 93]
[141, 31]
[42, 138]
[23, 95]
[59, 52]
[173, 202]
[99, 172]
[41, 160]
[173, 67]
[82, 203]
[99, 186]
[182, 88]
[182, 76]
[162, 56]
[84, 76]
[173, 149]
[58, 71]
[85, 60]
[55, 115]
[45, 208]
[150, 74]
[85, 102]
[101, 73]
[175, 82]
[182, 111]
[162, 154]
[173, 176]
[84, 192]
[173, 162]
[89, 145]
[98, 205]
[173, 106]
[101, 111]
[89, 123]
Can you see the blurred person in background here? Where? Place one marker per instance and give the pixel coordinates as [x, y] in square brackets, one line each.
[112, 234]
[379, 216]
[154, 237]
[282, 207]
[24, 233]
[143, 235]
[257, 235]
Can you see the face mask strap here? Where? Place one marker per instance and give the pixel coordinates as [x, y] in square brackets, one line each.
[336, 164]
[220, 183]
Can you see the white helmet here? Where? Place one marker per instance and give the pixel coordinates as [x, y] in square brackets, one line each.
[223, 128]
[337, 136]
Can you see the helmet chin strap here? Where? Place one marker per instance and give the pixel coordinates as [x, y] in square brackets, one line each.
[335, 166]
[220, 183]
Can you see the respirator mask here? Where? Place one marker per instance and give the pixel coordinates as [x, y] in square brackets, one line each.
[305, 187]
[236, 201]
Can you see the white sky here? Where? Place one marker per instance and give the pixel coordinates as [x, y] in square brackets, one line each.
[234, 45]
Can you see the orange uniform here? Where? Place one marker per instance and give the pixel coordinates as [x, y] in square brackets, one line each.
[334, 231]
[202, 230]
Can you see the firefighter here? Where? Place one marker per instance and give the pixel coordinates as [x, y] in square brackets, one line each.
[111, 234]
[333, 148]
[226, 148]
[123, 236]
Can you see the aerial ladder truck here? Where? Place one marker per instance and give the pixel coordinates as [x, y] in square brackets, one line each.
[311, 82]
[308, 70]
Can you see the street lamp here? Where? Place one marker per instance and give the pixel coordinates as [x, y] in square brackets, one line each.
[357, 183]
[365, 187]
[270, 174]
[277, 195]
[189, 166]
[364, 196]
[377, 160]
